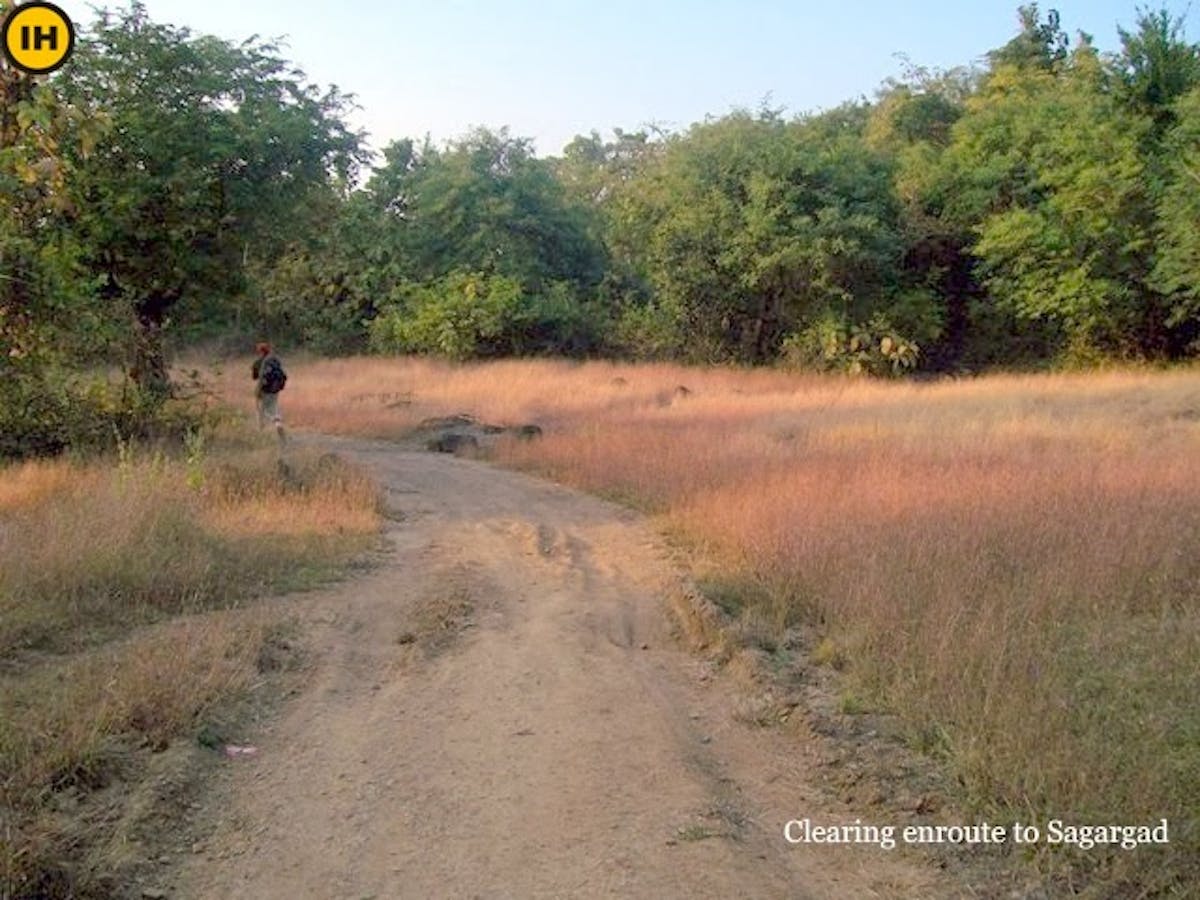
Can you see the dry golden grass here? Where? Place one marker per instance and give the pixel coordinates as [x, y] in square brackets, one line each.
[378, 397]
[82, 723]
[115, 546]
[319, 496]
[115, 628]
[28, 485]
[1010, 562]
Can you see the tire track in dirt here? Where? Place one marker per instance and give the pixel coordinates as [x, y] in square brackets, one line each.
[499, 710]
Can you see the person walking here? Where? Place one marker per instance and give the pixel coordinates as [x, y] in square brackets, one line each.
[269, 379]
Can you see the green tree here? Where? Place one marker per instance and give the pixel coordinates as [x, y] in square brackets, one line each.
[48, 319]
[1047, 169]
[477, 249]
[1177, 269]
[750, 227]
[912, 124]
[1039, 44]
[38, 258]
[484, 204]
[321, 289]
[213, 147]
[1157, 65]
[591, 168]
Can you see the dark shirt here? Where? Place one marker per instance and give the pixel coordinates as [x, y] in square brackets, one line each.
[256, 368]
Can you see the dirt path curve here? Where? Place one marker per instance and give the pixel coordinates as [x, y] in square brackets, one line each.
[500, 711]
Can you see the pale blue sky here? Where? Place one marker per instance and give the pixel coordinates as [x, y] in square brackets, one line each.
[552, 70]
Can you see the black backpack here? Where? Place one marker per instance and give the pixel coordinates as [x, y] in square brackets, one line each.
[272, 378]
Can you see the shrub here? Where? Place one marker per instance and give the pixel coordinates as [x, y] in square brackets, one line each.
[466, 315]
[54, 411]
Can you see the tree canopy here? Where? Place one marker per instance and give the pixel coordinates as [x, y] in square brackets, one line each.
[211, 148]
[1034, 209]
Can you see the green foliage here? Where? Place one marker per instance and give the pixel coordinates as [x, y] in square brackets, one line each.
[43, 292]
[465, 315]
[1038, 44]
[591, 169]
[875, 347]
[1157, 65]
[460, 316]
[1046, 169]
[484, 204]
[212, 148]
[1177, 269]
[751, 226]
[321, 290]
[556, 321]
[59, 410]
[648, 332]
[153, 173]
[48, 318]
[476, 249]
[968, 217]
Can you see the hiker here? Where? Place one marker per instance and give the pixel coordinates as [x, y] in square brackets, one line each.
[269, 378]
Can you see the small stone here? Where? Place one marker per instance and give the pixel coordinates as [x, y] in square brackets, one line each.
[154, 893]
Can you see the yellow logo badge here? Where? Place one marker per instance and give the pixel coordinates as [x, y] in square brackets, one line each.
[37, 37]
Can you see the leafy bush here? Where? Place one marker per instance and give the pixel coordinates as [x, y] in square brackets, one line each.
[465, 315]
[648, 331]
[53, 411]
[555, 322]
[829, 345]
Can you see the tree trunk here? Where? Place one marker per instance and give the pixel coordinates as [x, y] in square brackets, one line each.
[766, 326]
[149, 368]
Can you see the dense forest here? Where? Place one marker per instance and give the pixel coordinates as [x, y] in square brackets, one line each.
[1040, 208]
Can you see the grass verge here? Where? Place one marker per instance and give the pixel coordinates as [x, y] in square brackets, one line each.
[128, 617]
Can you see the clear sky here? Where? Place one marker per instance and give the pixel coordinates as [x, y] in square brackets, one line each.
[551, 70]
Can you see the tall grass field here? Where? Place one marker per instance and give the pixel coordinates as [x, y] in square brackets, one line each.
[1010, 563]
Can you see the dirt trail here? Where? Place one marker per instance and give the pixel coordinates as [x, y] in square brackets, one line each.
[500, 711]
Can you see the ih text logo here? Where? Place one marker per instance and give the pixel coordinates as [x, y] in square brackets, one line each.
[37, 37]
